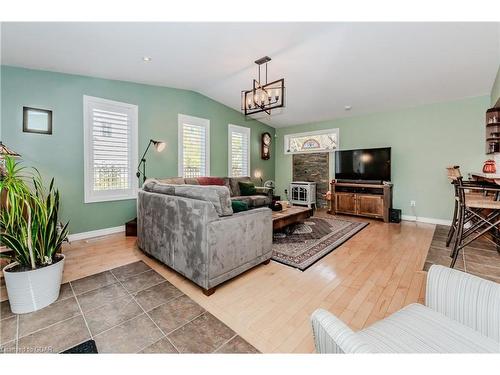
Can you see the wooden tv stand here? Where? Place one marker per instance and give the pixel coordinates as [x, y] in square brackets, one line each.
[363, 199]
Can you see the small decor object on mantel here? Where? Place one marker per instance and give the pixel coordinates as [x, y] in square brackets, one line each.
[30, 228]
[265, 153]
[263, 97]
[489, 166]
[36, 120]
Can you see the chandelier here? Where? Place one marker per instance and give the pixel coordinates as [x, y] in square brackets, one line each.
[263, 97]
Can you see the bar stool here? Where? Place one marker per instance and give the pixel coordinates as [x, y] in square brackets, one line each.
[477, 207]
[456, 179]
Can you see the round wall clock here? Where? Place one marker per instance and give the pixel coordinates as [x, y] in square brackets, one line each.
[266, 146]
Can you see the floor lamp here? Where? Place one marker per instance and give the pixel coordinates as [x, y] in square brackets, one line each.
[159, 146]
[131, 226]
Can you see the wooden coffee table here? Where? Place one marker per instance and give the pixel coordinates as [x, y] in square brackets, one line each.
[292, 215]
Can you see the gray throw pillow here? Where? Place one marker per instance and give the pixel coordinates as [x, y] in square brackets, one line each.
[218, 195]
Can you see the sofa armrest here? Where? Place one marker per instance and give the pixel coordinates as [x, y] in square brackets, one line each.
[264, 191]
[233, 241]
[465, 298]
[332, 335]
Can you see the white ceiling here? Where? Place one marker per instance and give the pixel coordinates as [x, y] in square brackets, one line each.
[371, 66]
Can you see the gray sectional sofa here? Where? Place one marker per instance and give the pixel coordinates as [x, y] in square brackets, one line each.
[193, 230]
[262, 198]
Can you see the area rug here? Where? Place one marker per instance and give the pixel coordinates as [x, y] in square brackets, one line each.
[302, 245]
[480, 258]
[87, 347]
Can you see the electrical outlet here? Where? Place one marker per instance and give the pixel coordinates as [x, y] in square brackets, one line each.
[413, 203]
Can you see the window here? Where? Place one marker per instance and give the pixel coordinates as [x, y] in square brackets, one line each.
[110, 149]
[194, 146]
[239, 151]
[317, 141]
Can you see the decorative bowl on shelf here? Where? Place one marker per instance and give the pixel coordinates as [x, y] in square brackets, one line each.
[489, 166]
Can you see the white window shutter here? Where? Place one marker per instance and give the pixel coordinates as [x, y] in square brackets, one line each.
[194, 146]
[239, 151]
[110, 150]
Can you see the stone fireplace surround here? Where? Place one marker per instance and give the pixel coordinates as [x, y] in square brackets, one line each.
[313, 167]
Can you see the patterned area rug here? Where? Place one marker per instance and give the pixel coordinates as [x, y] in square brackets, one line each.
[302, 245]
[480, 258]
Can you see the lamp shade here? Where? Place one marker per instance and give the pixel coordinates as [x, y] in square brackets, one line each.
[159, 145]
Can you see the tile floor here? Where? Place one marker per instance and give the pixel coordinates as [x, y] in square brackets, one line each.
[480, 258]
[129, 309]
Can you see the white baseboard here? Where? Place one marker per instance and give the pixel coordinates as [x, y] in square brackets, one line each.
[429, 220]
[96, 233]
[121, 228]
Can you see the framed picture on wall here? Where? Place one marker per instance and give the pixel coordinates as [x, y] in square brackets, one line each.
[36, 120]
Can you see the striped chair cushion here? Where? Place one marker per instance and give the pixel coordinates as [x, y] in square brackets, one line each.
[418, 329]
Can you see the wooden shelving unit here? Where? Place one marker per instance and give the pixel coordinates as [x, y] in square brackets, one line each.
[493, 131]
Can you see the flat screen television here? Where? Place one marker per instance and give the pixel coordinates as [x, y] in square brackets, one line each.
[371, 164]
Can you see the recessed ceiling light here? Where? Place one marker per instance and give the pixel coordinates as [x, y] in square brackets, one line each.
[146, 59]
[347, 107]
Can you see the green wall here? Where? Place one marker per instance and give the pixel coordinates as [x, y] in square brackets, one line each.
[424, 141]
[495, 91]
[61, 154]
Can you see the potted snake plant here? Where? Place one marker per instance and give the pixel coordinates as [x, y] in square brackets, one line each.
[30, 229]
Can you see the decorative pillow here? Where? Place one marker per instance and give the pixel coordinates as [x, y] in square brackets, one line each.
[234, 185]
[211, 181]
[155, 186]
[247, 188]
[239, 206]
[217, 195]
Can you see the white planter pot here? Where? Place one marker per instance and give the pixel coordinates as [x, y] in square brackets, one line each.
[33, 290]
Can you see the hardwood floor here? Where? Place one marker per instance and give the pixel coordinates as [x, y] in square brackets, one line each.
[370, 276]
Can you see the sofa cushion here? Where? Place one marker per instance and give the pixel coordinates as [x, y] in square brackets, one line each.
[247, 188]
[419, 329]
[254, 201]
[261, 200]
[158, 186]
[234, 185]
[171, 180]
[191, 181]
[242, 198]
[211, 181]
[217, 195]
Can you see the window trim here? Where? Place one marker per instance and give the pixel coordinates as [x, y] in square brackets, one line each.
[243, 130]
[198, 121]
[90, 195]
[316, 132]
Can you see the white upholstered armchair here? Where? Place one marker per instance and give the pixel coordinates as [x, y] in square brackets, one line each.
[461, 315]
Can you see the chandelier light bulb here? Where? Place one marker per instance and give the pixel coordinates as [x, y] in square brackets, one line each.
[264, 96]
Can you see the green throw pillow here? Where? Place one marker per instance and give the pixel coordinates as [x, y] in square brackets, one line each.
[247, 188]
[239, 206]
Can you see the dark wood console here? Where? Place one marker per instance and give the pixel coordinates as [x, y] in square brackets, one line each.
[370, 200]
